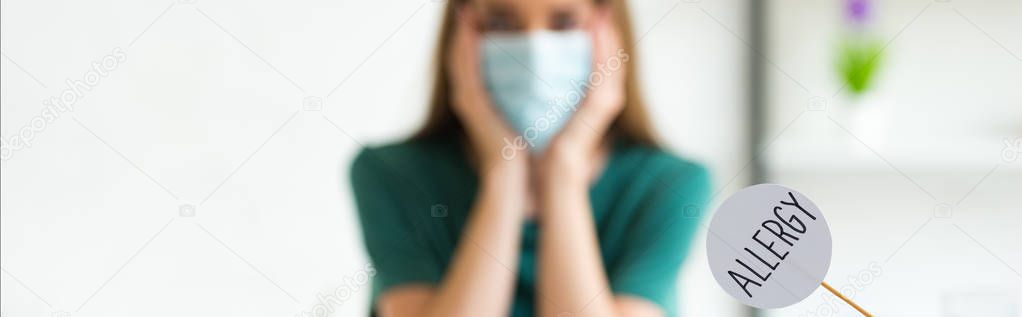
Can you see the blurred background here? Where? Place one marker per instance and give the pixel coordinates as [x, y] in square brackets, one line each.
[189, 158]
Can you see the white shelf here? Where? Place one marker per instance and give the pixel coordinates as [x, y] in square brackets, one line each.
[837, 152]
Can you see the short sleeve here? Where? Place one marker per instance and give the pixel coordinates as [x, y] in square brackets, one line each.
[388, 225]
[661, 233]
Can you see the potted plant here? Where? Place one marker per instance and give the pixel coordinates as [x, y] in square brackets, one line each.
[859, 59]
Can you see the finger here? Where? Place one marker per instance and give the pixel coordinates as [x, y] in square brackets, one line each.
[459, 61]
[458, 43]
[601, 33]
[608, 46]
[470, 50]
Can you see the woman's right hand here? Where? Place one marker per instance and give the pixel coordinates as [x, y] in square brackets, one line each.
[493, 141]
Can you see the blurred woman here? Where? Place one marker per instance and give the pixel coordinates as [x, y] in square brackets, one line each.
[536, 186]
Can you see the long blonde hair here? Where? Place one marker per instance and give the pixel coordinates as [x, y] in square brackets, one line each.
[632, 123]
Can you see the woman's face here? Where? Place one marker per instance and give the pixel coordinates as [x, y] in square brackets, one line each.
[526, 16]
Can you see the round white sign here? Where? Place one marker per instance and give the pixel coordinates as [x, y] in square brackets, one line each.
[769, 246]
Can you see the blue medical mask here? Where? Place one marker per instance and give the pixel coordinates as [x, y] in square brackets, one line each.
[537, 79]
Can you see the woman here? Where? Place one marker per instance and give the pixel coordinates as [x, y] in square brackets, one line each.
[535, 186]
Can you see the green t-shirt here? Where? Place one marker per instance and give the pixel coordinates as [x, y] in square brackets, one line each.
[414, 198]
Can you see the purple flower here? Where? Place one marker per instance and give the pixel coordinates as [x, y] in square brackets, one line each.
[858, 10]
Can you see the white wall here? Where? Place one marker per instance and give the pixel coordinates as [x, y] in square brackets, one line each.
[933, 139]
[205, 110]
[694, 72]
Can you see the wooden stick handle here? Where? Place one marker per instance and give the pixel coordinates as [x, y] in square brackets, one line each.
[849, 301]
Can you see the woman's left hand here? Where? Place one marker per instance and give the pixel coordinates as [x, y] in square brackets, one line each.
[570, 155]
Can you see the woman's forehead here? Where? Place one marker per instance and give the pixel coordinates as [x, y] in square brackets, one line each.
[531, 6]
